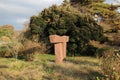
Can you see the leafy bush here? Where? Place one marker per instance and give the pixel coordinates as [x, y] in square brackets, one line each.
[30, 45]
[4, 51]
[116, 40]
[6, 30]
[30, 50]
[111, 65]
[10, 49]
[15, 46]
[66, 20]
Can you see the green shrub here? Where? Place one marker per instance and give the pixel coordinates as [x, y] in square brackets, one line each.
[66, 20]
[4, 51]
[6, 30]
[11, 49]
[111, 65]
[29, 56]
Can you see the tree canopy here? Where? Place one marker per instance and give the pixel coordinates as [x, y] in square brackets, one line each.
[66, 20]
[109, 12]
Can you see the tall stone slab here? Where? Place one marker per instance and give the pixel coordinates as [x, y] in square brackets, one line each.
[60, 44]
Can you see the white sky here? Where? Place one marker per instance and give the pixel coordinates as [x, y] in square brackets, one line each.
[16, 12]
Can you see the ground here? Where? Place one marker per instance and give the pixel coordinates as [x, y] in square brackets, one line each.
[44, 68]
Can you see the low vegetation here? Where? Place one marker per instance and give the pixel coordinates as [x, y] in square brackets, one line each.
[66, 20]
[6, 30]
[111, 65]
[44, 68]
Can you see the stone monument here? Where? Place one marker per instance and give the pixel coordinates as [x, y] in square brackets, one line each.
[60, 43]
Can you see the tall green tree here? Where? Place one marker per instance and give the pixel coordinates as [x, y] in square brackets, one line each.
[66, 20]
[108, 12]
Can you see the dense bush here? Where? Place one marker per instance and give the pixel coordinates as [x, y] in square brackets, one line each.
[6, 33]
[111, 65]
[6, 30]
[4, 51]
[66, 20]
[10, 49]
[30, 50]
[31, 46]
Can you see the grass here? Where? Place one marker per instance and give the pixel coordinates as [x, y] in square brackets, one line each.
[44, 68]
[77, 68]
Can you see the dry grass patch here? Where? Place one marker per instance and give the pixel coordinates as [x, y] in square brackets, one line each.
[20, 70]
[75, 68]
[44, 68]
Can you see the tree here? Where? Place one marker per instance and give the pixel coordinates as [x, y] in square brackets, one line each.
[66, 20]
[108, 12]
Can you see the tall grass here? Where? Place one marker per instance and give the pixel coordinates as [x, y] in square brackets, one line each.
[111, 65]
[44, 68]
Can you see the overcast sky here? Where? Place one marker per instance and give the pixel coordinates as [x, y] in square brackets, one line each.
[16, 12]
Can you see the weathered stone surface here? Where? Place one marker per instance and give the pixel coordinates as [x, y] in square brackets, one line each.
[60, 43]
[58, 39]
[58, 52]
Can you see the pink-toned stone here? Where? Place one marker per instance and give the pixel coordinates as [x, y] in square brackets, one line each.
[60, 43]
[58, 53]
[58, 39]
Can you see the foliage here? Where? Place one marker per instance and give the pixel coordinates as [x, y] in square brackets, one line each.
[15, 46]
[108, 12]
[66, 20]
[4, 51]
[30, 45]
[6, 30]
[11, 49]
[10, 46]
[30, 50]
[85, 2]
[116, 40]
[20, 70]
[43, 68]
[111, 65]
